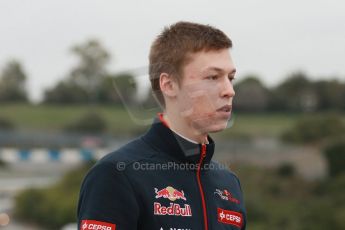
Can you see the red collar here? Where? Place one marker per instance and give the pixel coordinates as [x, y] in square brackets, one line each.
[161, 118]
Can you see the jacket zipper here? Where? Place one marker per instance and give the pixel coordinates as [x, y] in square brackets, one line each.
[203, 155]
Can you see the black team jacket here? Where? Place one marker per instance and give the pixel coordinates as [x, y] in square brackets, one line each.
[161, 181]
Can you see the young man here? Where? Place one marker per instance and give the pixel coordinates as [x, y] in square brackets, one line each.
[165, 179]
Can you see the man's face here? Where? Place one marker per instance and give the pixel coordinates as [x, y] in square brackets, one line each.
[205, 93]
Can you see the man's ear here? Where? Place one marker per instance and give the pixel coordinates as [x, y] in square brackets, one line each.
[168, 85]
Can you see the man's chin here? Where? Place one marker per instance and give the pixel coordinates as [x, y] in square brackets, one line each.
[215, 128]
[210, 125]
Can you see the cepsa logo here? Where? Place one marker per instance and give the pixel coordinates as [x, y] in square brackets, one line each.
[96, 225]
[230, 217]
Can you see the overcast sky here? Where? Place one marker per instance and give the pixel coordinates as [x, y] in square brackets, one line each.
[271, 38]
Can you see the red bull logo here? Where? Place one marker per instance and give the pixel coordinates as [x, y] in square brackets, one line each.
[172, 210]
[170, 193]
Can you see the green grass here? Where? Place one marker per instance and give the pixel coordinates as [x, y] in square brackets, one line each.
[265, 124]
[261, 124]
[120, 121]
[55, 118]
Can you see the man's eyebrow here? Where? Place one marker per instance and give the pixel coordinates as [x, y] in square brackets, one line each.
[233, 71]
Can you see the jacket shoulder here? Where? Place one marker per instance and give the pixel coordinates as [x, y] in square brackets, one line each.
[223, 169]
[136, 150]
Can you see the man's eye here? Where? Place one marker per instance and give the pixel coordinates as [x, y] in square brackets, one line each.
[212, 77]
[231, 78]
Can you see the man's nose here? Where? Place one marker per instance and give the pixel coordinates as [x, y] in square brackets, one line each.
[227, 89]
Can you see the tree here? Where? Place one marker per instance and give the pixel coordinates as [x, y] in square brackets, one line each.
[13, 83]
[90, 122]
[331, 94]
[251, 95]
[335, 156]
[83, 82]
[315, 129]
[296, 93]
[125, 87]
[89, 72]
[65, 92]
[117, 89]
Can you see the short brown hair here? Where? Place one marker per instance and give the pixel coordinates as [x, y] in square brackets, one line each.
[169, 51]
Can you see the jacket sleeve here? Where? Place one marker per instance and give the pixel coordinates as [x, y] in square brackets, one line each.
[107, 198]
[245, 212]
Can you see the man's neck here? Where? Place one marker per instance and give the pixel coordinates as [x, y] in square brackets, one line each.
[179, 126]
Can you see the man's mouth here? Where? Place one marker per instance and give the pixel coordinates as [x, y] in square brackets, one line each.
[225, 108]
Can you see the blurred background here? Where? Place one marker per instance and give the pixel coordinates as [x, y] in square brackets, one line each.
[74, 86]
